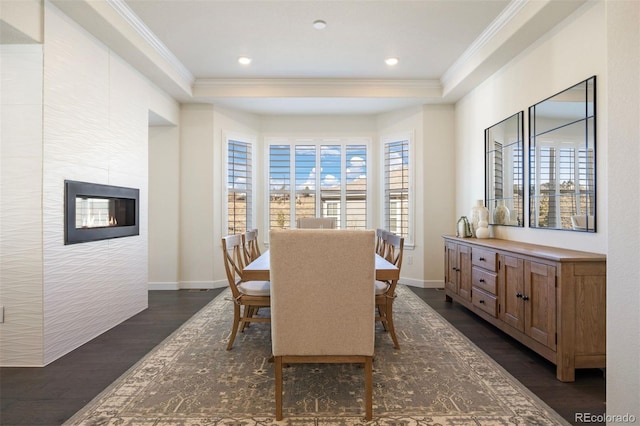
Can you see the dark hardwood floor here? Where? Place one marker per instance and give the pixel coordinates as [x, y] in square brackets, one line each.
[52, 394]
[586, 395]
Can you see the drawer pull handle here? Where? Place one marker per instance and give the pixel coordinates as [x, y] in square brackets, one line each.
[481, 301]
[482, 259]
[525, 297]
[454, 268]
[481, 280]
[518, 295]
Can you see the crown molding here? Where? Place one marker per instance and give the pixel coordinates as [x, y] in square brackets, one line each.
[309, 82]
[150, 38]
[314, 87]
[506, 16]
[315, 82]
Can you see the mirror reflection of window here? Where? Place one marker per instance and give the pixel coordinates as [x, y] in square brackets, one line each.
[504, 166]
[562, 160]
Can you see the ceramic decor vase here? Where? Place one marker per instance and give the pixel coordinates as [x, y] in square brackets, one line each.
[463, 228]
[501, 215]
[478, 212]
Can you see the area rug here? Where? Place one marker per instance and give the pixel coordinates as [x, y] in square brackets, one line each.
[437, 377]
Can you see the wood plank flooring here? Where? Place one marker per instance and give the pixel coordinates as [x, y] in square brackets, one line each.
[52, 394]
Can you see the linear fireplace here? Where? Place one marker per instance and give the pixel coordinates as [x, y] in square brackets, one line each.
[99, 212]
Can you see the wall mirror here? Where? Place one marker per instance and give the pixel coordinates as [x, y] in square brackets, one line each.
[504, 171]
[562, 158]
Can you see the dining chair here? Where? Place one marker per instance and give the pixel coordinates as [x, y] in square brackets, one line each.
[322, 301]
[248, 295]
[381, 241]
[316, 223]
[385, 290]
[250, 246]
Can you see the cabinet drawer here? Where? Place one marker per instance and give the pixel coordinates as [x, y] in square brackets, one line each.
[483, 279]
[484, 258]
[485, 301]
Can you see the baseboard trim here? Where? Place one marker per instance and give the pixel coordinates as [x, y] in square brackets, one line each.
[168, 285]
[421, 283]
[195, 285]
[187, 285]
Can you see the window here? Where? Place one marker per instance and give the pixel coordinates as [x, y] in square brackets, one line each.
[329, 180]
[396, 186]
[239, 186]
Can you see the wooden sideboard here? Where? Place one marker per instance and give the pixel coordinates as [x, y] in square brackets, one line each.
[551, 300]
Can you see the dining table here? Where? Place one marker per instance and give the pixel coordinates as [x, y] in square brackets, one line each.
[259, 269]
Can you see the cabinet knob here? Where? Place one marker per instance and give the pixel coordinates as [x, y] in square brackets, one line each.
[518, 295]
[454, 268]
[525, 297]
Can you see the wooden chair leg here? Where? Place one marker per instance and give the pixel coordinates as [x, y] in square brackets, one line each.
[382, 314]
[368, 391]
[248, 313]
[236, 323]
[392, 329]
[278, 371]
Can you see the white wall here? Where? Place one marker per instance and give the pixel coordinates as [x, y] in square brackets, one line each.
[197, 223]
[623, 268]
[21, 334]
[67, 117]
[95, 130]
[438, 189]
[201, 167]
[164, 207]
[570, 53]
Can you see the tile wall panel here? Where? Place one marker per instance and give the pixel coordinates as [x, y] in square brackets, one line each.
[21, 272]
[95, 130]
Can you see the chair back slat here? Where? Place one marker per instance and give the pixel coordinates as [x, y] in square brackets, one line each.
[251, 246]
[394, 250]
[381, 241]
[316, 223]
[234, 262]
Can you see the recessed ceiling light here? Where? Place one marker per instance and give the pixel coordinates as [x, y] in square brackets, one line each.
[244, 60]
[319, 24]
[391, 61]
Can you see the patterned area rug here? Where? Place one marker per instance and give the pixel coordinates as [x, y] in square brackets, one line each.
[438, 377]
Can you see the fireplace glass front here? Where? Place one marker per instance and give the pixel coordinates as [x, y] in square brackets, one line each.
[98, 212]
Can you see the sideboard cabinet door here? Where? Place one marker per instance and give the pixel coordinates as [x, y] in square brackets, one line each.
[511, 289]
[457, 270]
[540, 302]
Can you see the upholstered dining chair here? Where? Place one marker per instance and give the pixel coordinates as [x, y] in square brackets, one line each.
[248, 296]
[385, 290]
[250, 245]
[322, 301]
[316, 223]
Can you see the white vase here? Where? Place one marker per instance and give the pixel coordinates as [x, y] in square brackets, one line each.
[483, 228]
[478, 212]
[501, 215]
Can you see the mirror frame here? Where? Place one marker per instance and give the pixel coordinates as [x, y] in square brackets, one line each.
[579, 111]
[510, 205]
